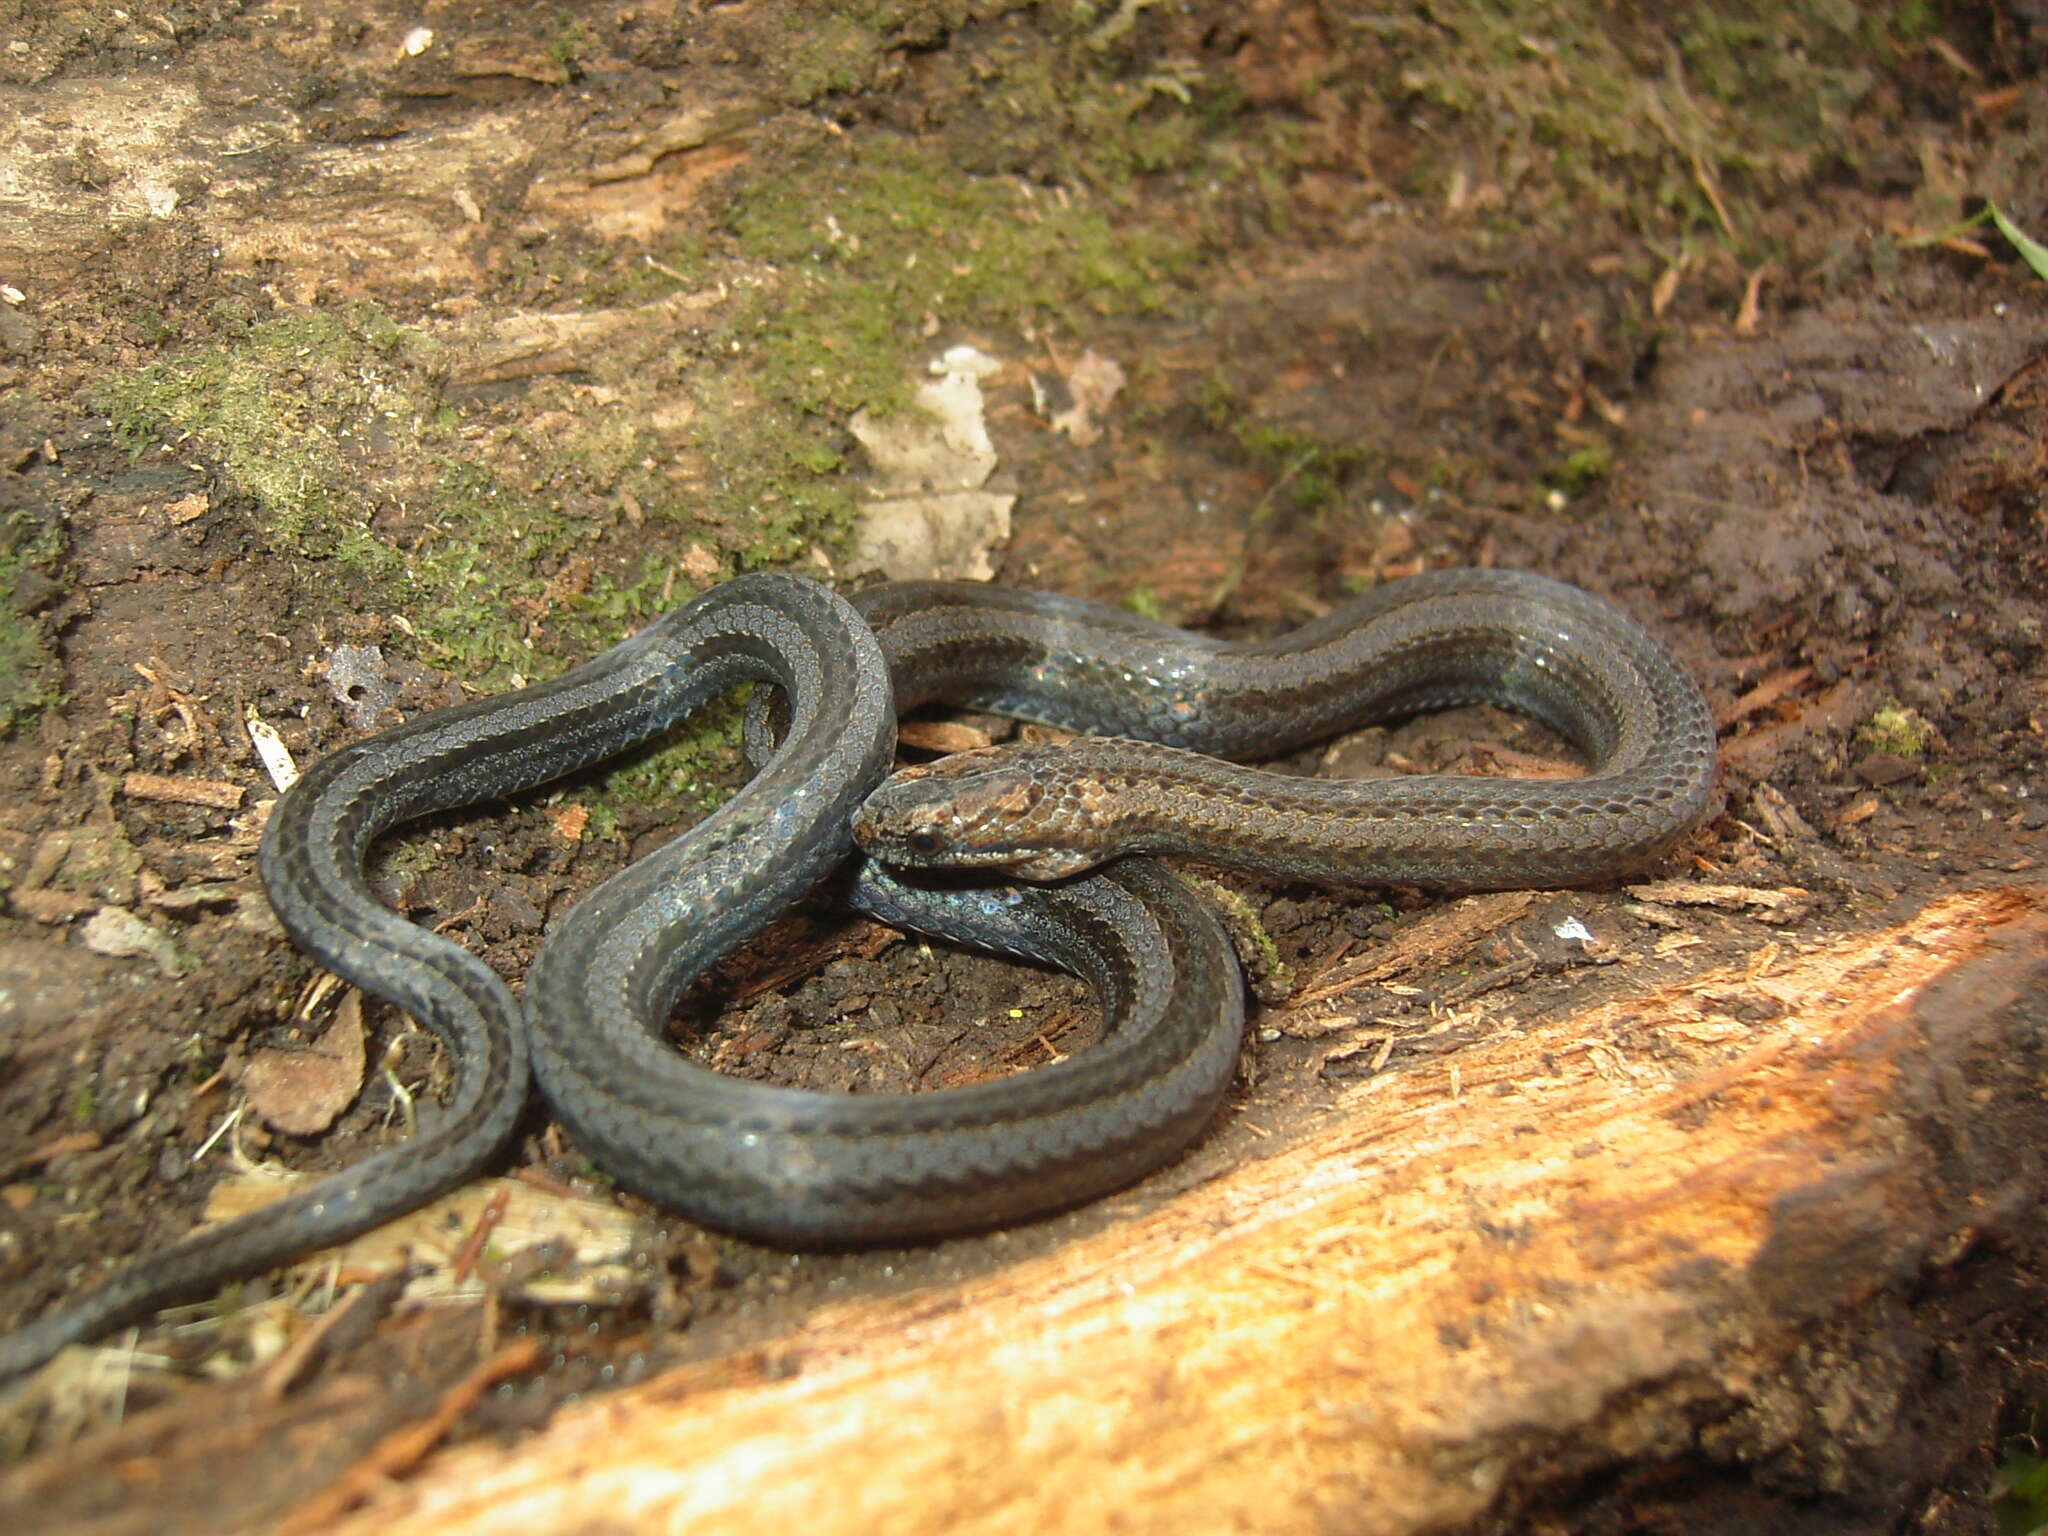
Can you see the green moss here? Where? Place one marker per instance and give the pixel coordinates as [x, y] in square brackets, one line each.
[402, 859]
[333, 427]
[773, 475]
[1666, 119]
[330, 424]
[1271, 978]
[1582, 468]
[30, 551]
[692, 770]
[834, 53]
[1894, 729]
[287, 406]
[1144, 602]
[570, 42]
[905, 239]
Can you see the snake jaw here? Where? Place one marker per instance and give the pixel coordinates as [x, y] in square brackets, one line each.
[1052, 864]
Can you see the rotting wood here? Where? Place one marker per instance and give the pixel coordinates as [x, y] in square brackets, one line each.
[1600, 1234]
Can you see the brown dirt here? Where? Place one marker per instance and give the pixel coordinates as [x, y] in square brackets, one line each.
[1835, 515]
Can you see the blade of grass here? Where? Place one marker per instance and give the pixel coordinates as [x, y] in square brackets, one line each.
[2032, 252]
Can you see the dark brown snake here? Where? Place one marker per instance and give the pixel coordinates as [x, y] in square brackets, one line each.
[807, 1169]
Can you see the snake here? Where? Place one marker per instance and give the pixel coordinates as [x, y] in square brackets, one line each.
[801, 1169]
[834, 1169]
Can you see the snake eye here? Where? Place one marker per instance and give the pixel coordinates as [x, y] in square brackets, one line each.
[924, 842]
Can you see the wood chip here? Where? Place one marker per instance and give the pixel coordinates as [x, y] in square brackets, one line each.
[212, 793]
[600, 1234]
[1750, 314]
[275, 756]
[1782, 905]
[1881, 768]
[1433, 941]
[1665, 289]
[51, 906]
[118, 932]
[1780, 817]
[188, 509]
[68, 1144]
[1763, 695]
[352, 1316]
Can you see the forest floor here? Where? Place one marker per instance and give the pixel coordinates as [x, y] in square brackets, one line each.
[358, 359]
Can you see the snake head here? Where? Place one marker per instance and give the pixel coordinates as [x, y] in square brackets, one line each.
[984, 809]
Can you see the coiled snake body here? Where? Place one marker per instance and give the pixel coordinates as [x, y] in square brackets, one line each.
[800, 1168]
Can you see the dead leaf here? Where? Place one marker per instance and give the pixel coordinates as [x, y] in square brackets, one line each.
[187, 509]
[119, 932]
[1092, 383]
[303, 1092]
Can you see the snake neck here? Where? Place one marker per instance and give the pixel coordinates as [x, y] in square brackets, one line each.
[1441, 831]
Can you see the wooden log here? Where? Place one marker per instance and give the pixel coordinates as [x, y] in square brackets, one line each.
[1626, 1237]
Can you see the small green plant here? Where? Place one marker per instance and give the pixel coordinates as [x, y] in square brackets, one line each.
[2019, 1488]
[570, 42]
[1310, 471]
[1894, 729]
[2032, 252]
[1144, 602]
[1581, 469]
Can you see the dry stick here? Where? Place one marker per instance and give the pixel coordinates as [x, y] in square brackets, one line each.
[404, 1448]
[214, 794]
[362, 1306]
[486, 1221]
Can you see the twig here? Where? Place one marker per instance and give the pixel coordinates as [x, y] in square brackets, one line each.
[404, 1448]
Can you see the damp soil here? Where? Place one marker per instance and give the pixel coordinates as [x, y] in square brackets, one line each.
[1832, 500]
